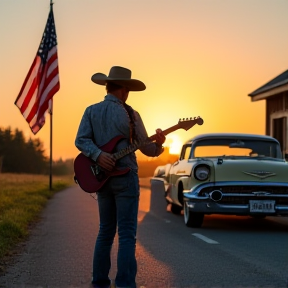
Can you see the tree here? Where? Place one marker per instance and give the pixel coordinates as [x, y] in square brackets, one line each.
[19, 155]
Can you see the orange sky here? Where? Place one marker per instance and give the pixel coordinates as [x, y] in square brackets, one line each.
[197, 58]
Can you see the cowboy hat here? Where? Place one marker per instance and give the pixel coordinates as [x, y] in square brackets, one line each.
[121, 76]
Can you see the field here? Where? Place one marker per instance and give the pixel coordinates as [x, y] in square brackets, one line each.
[22, 198]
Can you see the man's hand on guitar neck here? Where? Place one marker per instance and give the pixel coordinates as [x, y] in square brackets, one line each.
[160, 137]
[106, 161]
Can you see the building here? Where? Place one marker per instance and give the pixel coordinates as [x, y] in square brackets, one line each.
[275, 93]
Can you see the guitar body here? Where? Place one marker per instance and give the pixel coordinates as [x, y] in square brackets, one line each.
[84, 169]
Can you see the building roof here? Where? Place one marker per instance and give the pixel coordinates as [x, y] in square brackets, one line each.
[279, 80]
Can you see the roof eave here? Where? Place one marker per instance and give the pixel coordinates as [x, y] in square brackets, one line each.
[268, 93]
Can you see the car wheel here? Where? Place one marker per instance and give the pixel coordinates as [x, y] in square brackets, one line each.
[192, 219]
[175, 209]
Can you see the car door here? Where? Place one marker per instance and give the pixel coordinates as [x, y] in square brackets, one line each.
[180, 168]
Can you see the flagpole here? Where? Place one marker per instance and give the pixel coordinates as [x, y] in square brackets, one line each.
[51, 126]
[51, 122]
[33, 108]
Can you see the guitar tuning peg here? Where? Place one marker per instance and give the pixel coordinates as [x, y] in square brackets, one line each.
[190, 118]
[194, 117]
[179, 119]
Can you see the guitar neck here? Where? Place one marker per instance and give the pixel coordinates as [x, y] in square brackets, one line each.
[135, 146]
[184, 124]
[123, 152]
[165, 132]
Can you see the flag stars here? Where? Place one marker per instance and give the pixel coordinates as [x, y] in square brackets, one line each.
[49, 39]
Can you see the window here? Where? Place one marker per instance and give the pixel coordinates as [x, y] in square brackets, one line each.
[185, 153]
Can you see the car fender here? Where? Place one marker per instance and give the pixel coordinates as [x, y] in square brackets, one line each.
[175, 195]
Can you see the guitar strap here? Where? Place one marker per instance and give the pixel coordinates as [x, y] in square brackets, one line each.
[130, 112]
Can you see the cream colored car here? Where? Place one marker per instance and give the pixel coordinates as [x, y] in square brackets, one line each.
[225, 173]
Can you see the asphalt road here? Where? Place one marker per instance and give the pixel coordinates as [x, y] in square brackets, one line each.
[228, 251]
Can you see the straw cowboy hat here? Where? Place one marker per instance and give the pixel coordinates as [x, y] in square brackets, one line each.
[121, 76]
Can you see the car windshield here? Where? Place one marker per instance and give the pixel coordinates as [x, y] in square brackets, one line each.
[236, 148]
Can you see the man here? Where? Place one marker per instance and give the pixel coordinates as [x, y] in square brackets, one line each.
[118, 198]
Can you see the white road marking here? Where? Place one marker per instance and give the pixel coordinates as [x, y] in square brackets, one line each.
[204, 238]
[167, 221]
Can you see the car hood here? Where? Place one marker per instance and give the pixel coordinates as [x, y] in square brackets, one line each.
[250, 170]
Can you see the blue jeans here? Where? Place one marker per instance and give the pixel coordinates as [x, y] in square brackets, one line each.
[118, 207]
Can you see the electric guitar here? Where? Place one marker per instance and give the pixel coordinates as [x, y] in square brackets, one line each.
[91, 177]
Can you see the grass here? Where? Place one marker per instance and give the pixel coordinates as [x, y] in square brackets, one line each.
[22, 198]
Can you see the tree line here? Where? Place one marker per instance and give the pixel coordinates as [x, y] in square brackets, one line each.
[18, 155]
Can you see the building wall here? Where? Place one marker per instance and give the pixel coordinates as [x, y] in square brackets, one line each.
[277, 114]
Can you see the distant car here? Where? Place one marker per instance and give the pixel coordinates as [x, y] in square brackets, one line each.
[225, 173]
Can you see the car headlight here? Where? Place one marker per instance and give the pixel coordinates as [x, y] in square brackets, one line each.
[201, 173]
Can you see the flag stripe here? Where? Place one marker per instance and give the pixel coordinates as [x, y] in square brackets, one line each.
[42, 80]
[51, 80]
[31, 94]
[45, 104]
[29, 85]
[19, 98]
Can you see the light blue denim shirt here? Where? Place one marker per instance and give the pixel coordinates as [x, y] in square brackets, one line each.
[103, 121]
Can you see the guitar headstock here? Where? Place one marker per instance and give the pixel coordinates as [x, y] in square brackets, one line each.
[189, 123]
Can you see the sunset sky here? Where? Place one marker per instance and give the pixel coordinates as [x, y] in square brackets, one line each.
[196, 57]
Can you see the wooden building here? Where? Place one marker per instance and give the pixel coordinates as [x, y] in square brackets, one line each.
[275, 93]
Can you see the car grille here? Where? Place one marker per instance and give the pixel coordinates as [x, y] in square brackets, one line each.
[245, 189]
[245, 193]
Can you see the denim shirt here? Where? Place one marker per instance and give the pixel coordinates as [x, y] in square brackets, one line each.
[105, 120]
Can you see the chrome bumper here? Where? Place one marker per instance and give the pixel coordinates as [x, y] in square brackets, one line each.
[205, 203]
[209, 207]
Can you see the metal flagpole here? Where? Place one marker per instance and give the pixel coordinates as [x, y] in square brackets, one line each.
[51, 122]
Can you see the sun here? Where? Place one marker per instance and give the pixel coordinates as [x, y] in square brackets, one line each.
[173, 143]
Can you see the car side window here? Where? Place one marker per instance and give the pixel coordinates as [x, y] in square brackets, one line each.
[185, 152]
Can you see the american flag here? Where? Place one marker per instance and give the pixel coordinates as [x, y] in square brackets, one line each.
[42, 80]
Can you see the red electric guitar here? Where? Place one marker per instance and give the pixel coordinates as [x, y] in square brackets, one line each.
[91, 177]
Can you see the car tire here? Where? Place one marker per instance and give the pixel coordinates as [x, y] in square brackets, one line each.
[192, 219]
[175, 209]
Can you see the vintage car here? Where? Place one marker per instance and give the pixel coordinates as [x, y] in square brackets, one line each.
[225, 173]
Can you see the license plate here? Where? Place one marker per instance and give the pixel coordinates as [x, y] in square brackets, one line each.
[266, 206]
